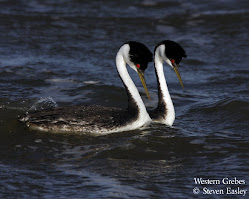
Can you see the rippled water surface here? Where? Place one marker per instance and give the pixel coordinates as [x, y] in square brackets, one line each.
[66, 50]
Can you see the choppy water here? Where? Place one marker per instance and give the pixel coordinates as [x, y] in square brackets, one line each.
[66, 50]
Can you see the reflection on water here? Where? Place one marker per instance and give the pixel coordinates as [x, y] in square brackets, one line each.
[64, 53]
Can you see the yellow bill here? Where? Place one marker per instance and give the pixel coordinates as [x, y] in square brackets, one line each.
[141, 75]
[178, 75]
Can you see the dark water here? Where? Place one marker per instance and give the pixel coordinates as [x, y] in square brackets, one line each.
[66, 50]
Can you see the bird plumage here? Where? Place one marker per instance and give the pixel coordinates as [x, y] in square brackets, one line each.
[98, 119]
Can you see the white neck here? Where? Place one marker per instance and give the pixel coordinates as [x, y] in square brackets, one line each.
[121, 59]
[170, 115]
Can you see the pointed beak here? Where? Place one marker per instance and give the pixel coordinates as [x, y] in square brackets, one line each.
[176, 69]
[141, 75]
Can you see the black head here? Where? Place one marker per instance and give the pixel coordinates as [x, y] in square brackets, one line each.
[171, 54]
[139, 54]
[173, 51]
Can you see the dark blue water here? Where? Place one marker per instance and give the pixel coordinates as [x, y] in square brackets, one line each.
[66, 50]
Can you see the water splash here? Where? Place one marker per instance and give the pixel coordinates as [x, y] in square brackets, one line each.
[43, 104]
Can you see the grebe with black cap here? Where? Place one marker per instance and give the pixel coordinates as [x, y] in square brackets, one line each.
[172, 53]
[99, 119]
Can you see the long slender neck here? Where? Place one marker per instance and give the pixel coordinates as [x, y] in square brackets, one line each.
[165, 107]
[135, 102]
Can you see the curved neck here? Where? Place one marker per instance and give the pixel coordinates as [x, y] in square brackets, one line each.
[135, 102]
[165, 105]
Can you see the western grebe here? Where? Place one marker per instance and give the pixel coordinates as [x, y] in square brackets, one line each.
[172, 53]
[98, 119]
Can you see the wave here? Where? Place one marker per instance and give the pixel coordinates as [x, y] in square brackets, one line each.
[225, 114]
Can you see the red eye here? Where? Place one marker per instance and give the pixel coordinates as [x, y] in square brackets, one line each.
[172, 61]
[138, 65]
